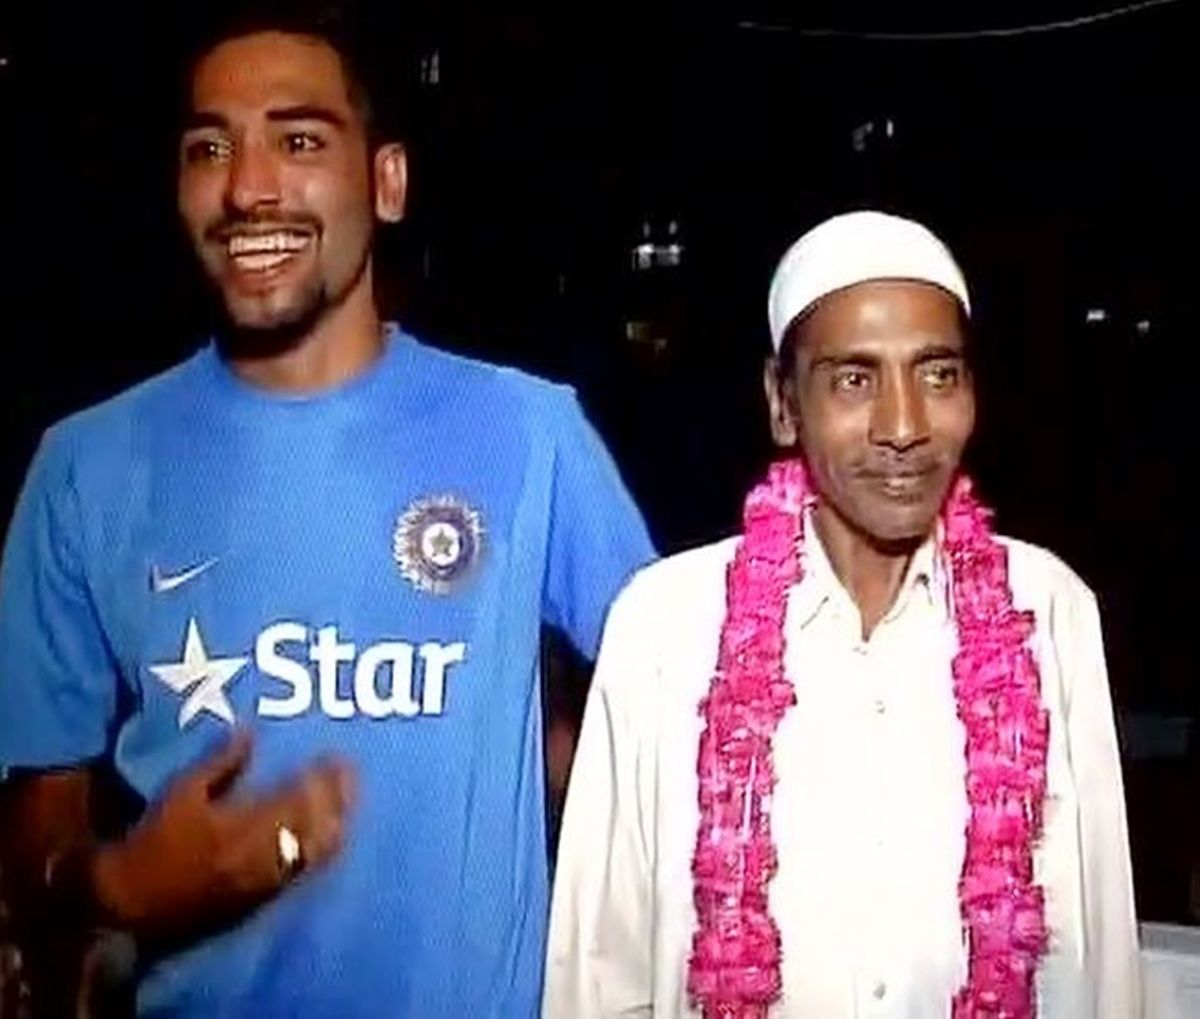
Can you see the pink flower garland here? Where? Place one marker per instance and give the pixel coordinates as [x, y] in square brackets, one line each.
[734, 971]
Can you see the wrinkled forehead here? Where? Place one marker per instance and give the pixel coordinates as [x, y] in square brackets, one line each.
[885, 317]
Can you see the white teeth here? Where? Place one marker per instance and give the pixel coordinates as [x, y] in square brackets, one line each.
[245, 244]
[259, 263]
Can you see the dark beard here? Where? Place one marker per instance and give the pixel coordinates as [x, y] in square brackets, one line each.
[247, 343]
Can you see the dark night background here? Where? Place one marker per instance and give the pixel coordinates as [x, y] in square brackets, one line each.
[554, 139]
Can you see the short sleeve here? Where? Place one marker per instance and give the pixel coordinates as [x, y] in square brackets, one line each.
[58, 685]
[597, 536]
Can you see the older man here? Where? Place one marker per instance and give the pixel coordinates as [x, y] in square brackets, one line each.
[860, 760]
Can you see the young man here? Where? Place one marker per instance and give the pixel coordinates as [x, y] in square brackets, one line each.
[859, 761]
[321, 532]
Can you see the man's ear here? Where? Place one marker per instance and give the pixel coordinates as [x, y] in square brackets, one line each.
[785, 429]
[391, 182]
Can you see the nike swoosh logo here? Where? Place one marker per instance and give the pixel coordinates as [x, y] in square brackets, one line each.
[161, 583]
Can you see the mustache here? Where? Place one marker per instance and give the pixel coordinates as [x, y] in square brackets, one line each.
[896, 465]
[226, 226]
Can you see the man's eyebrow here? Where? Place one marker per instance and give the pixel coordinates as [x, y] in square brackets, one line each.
[866, 359]
[859, 359]
[939, 352]
[308, 111]
[197, 119]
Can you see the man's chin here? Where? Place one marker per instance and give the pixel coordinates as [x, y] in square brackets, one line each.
[262, 332]
[889, 526]
[899, 529]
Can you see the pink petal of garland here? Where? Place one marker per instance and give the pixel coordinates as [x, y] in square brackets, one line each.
[735, 968]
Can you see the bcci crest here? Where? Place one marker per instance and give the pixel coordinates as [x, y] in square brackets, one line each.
[437, 543]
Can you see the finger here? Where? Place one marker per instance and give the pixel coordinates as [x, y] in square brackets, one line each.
[254, 826]
[311, 807]
[217, 774]
[322, 821]
[340, 774]
[304, 810]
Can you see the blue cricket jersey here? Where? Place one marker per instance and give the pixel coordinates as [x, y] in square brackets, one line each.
[364, 572]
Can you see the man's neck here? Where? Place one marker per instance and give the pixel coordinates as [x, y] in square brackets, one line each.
[341, 345]
[871, 574]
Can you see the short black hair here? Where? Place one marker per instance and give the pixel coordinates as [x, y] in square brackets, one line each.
[385, 102]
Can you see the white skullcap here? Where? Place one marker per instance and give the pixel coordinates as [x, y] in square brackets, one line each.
[854, 248]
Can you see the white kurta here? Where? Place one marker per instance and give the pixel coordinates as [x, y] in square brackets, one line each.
[870, 811]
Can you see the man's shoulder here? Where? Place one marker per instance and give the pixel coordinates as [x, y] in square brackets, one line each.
[131, 401]
[667, 620]
[98, 425]
[479, 378]
[1039, 576]
[681, 589]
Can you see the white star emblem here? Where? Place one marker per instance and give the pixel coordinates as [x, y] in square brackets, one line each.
[207, 675]
[441, 544]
